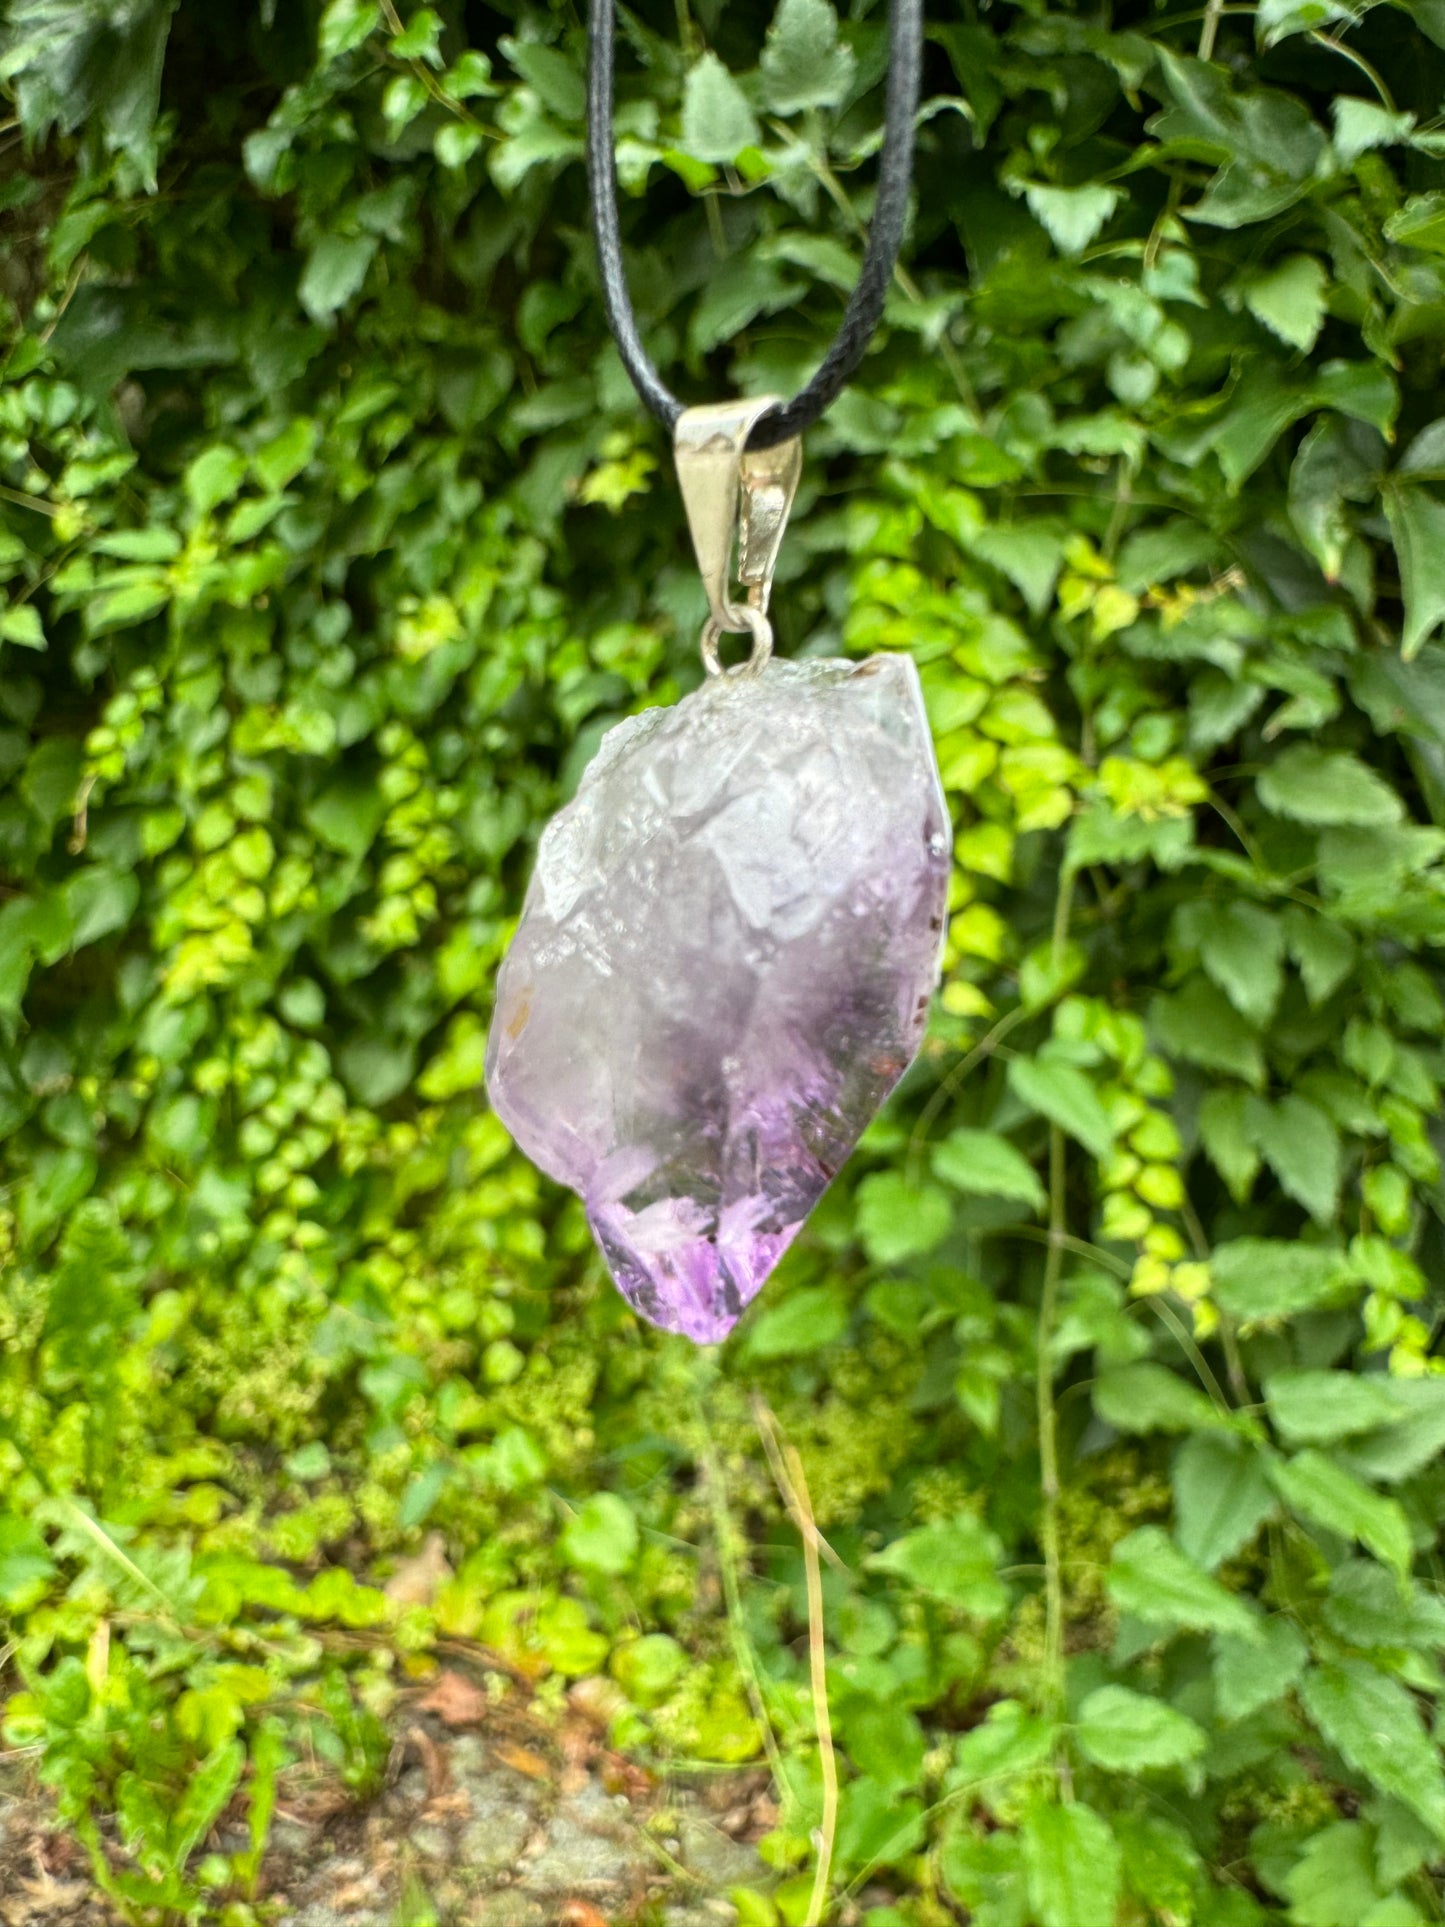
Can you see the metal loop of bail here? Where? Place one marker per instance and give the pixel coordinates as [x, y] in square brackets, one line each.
[735, 497]
[754, 621]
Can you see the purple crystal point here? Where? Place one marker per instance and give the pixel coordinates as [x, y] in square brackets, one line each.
[723, 967]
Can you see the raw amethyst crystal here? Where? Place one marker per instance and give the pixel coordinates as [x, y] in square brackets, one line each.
[723, 967]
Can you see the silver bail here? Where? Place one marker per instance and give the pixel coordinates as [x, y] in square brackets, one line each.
[735, 494]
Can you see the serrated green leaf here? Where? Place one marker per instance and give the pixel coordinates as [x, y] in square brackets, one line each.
[1128, 1732]
[1062, 1093]
[1420, 223]
[1333, 1882]
[1029, 554]
[1401, 1450]
[1242, 948]
[1362, 125]
[1151, 1578]
[1324, 952]
[1371, 1721]
[1323, 1492]
[983, 1164]
[1071, 1864]
[1264, 1278]
[804, 1321]
[1229, 1122]
[1222, 1496]
[1251, 1673]
[1150, 1398]
[1326, 786]
[1200, 1025]
[1302, 1148]
[556, 79]
[1369, 1607]
[1318, 1408]
[1417, 526]
[898, 1219]
[956, 1562]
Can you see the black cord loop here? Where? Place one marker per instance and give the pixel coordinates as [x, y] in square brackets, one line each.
[865, 304]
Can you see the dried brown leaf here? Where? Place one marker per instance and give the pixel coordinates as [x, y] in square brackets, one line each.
[522, 1759]
[581, 1913]
[455, 1700]
[417, 1581]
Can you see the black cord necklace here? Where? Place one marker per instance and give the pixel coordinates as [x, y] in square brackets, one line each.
[780, 422]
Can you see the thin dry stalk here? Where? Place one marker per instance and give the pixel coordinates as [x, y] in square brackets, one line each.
[768, 1432]
[793, 1485]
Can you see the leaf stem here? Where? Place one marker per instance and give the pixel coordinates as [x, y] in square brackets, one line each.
[1212, 13]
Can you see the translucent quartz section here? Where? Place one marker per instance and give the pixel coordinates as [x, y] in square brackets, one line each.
[723, 966]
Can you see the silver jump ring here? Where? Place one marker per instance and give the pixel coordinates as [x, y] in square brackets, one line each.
[757, 626]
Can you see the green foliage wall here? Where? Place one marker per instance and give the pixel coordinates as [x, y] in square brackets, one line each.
[333, 538]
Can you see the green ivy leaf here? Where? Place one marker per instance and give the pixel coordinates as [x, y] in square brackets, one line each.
[335, 269]
[1290, 300]
[100, 901]
[1071, 216]
[803, 65]
[717, 122]
[21, 624]
[344, 26]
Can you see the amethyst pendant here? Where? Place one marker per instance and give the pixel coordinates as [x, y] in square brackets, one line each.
[723, 967]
